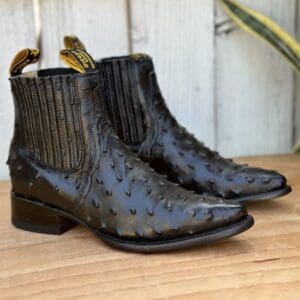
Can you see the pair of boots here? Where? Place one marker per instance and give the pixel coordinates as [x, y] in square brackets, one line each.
[96, 145]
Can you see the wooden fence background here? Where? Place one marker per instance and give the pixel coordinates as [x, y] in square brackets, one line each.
[231, 90]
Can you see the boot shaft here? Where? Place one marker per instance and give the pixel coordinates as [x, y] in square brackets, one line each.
[132, 96]
[60, 126]
[53, 108]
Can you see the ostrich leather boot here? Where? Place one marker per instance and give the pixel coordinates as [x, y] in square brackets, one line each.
[142, 120]
[68, 167]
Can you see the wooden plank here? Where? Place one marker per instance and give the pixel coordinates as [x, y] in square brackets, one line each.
[262, 263]
[179, 35]
[297, 82]
[101, 25]
[254, 87]
[17, 31]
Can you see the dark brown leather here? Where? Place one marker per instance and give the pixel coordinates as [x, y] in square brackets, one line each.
[65, 154]
[142, 119]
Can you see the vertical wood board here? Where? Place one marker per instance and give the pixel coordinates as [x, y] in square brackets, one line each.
[179, 35]
[17, 31]
[254, 87]
[100, 24]
[297, 83]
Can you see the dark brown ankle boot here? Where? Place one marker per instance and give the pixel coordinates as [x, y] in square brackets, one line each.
[68, 167]
[143, 121]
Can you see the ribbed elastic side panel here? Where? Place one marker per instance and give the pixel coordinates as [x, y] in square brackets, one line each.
[48, 115]
[120, 80]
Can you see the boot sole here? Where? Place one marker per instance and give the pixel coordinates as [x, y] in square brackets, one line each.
[263, 196]
[35, 216]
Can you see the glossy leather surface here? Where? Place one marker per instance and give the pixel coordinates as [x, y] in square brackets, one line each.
[166, 145]
[109, 188]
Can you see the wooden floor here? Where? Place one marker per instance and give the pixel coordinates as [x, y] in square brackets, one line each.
[263, 263]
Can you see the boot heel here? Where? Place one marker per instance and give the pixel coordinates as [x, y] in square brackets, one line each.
[36, 217]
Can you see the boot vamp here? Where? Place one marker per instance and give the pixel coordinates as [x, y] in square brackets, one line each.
[196, 167]
[248, 181]
[128, 200]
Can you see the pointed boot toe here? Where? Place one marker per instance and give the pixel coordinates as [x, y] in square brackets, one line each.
[262, 185]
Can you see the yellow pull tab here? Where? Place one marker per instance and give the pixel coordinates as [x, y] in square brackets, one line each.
[22, 59]
[139, 56]
[72, 41]
[78, 60]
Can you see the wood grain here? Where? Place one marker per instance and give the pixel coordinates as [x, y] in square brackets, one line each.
[262, 263]
[254, 87]
[179, 35]
[17, 32]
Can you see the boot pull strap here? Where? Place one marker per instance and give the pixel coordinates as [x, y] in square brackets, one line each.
[22, 59]
[72, 41]
[78, 60]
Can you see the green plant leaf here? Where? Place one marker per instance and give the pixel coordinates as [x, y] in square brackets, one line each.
[296, 148]
[263, 27]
